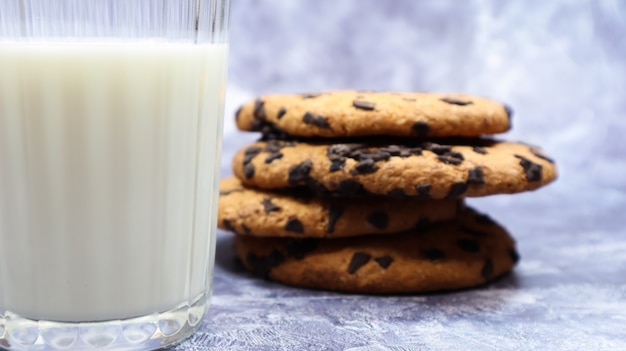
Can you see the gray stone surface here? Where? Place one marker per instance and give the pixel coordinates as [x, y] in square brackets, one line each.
[560, 64]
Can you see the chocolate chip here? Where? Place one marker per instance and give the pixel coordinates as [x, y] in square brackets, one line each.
[366, 166]
[281, 113]
[473, 232]
[334, 212]
[378, 155]
[256, 125]
[268, 206]
[229, 226]
[484, 219]
[318, 121]
[300, 171]
[246, 229]
[337, 164]
[432, 254]
[439, 149]
[422, 224]
[273, 146]
[397, 194]
[248, 170]
[378, 219]
[460, 207]
[450, 157]
[392, 150]
[509, 111]
[274, 156]
[454, 101]
[423, 191]
[230, 191]
[479, 150]
[475, 176]
[359, 259]
[263, 265]
[384, 261]
[310, 95]
[417, 151]
[456, 190]
[514, 255]
[532, 170]
[421, 128]
[457, 155]
[318, 189]
[298, 248]
[251, 153]
[349, 187]
[270, 132]
[469, 245]
[450, 160]
[540, 155]
[259, 110]
[238, 113]
[294, 225]
[364, 105]
[338, 150]
[487, 271]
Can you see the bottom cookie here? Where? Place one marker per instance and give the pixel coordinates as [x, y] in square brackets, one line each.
[469, 251]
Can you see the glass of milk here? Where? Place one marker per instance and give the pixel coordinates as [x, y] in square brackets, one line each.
[110, 132]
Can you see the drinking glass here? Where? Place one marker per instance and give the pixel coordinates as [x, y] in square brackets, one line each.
[111, 117]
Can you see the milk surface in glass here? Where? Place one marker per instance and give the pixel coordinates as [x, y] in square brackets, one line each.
[108, 153]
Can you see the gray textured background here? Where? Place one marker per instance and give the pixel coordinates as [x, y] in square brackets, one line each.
[560, 64]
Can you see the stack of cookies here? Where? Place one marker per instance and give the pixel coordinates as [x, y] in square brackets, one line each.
[363, 191]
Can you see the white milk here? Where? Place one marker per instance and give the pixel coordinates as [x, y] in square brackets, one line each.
[107, 172]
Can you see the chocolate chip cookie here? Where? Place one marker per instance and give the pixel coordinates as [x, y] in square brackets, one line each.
[425, 170]
[354, 113]
[249, 211]
[468, 251]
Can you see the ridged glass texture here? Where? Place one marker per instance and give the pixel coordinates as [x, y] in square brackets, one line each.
[110, 135]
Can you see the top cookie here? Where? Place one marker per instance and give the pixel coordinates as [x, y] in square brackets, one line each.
[353, 113]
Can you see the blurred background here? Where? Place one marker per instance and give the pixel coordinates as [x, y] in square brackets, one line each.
[561, 65]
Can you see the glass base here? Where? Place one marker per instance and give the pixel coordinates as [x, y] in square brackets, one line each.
[144, 333]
